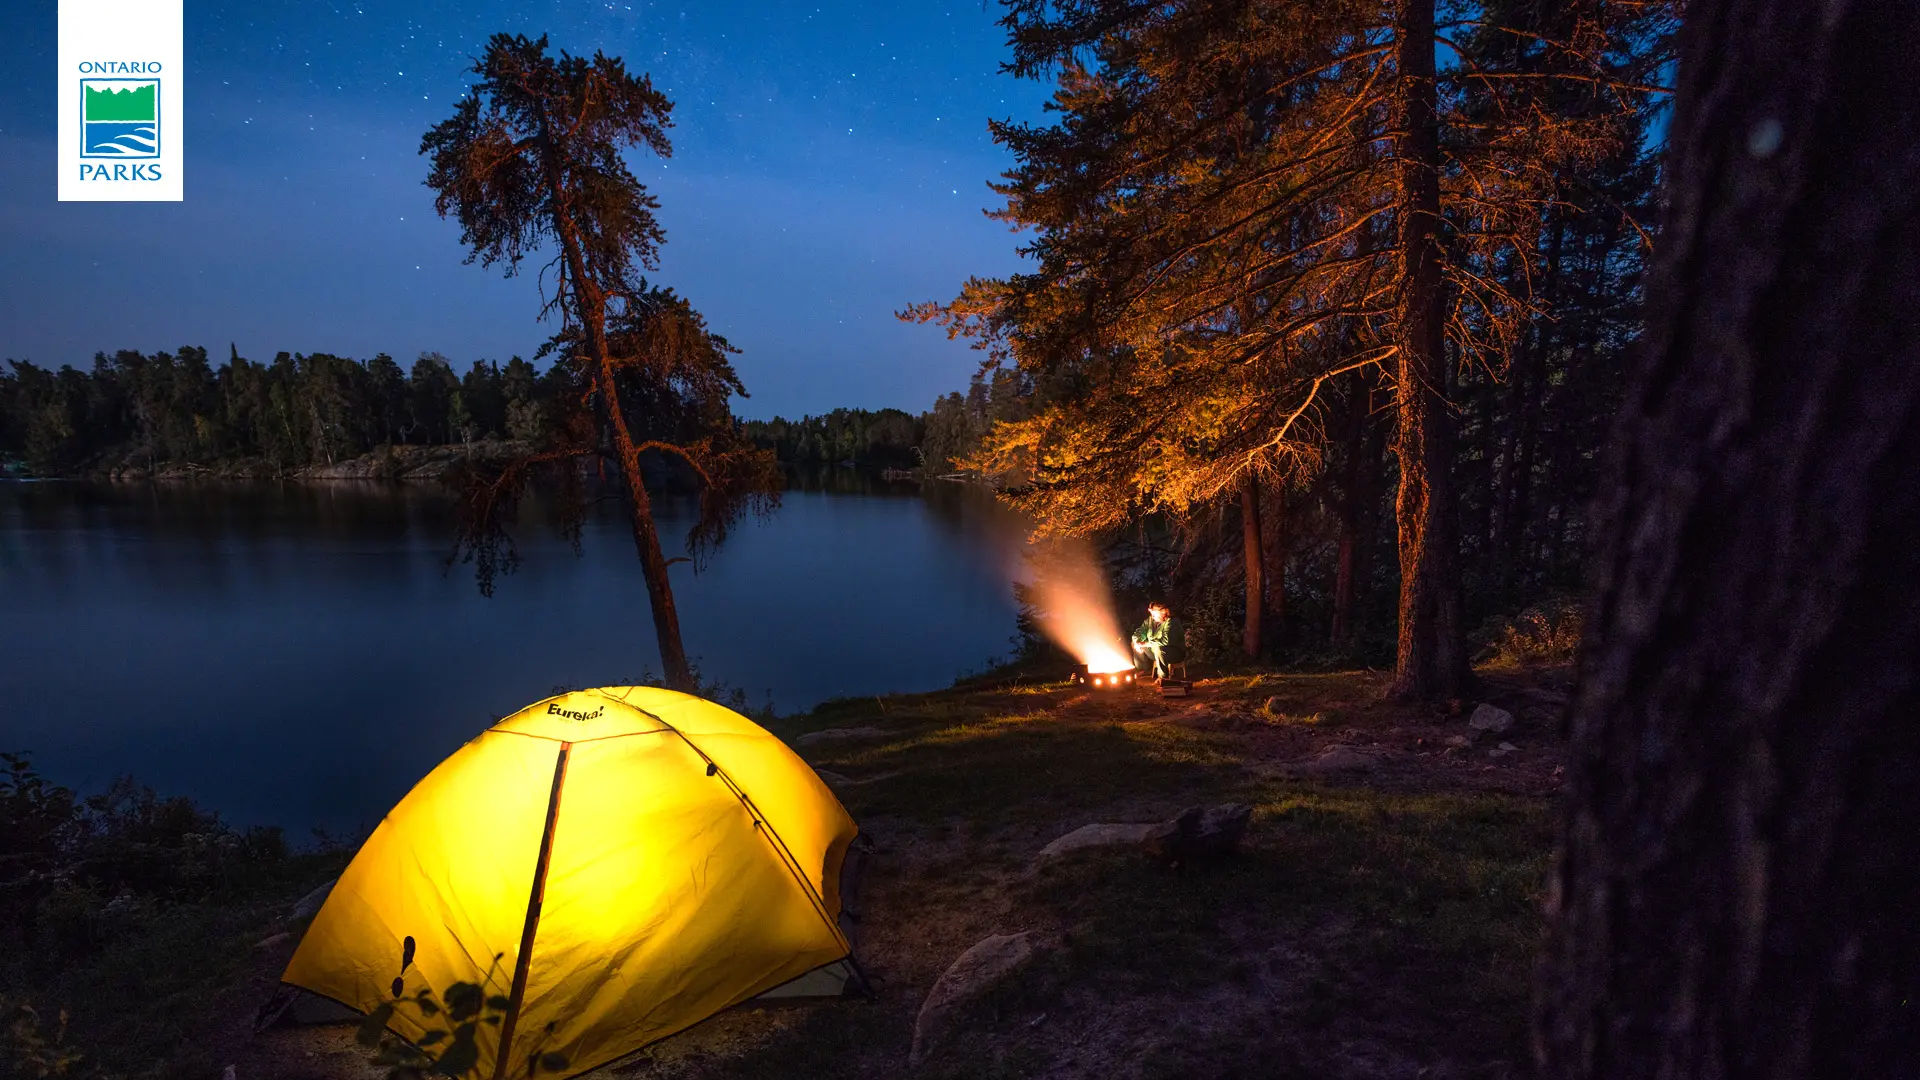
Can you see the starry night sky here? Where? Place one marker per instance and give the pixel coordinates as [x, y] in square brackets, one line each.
[830, 166]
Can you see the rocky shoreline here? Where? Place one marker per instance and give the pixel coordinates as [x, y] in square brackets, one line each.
[442, 465]
[406, 464]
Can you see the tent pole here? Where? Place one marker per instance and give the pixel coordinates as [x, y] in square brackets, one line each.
[535, 898]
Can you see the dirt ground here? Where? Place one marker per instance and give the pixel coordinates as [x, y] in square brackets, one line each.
[1379, 921]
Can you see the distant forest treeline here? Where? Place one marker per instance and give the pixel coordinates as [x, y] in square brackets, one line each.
[938, 440]
[164, 408]
[133, 409]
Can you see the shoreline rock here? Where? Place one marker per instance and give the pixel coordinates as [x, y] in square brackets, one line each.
[986, 965]
[1199, 835]
[404, 463]
[1491, 719]
[1334, 759]
[1095, 836]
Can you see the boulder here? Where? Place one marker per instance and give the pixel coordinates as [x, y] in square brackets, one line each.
[977, 971]
[1097, 835]
[1199, 835]
[1335, 759]
[1491, 719]
[836, 734]
[309, 904]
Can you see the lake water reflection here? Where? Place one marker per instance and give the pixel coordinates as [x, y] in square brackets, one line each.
[297, 654]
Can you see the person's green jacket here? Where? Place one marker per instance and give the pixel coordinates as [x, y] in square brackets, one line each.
[1169, 635]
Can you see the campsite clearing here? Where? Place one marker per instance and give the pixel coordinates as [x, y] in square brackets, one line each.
[1379, 921]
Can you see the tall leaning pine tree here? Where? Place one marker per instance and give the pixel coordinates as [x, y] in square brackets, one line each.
[532, 158]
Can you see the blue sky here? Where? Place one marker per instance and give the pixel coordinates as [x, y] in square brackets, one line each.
[830, 166]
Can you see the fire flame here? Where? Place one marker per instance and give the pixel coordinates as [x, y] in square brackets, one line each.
[1075, 609]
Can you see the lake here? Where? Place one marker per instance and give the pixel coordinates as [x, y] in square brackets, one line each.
[299, 654]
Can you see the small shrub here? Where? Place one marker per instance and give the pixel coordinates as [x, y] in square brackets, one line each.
[449, 1043]
[37, 819]
[74, 872]
[1547, 632]
[30, 1051]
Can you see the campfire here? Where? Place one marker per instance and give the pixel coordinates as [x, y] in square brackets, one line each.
[1076, 611]
[1085, 675]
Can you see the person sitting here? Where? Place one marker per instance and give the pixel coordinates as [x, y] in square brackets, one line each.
[1160, 638]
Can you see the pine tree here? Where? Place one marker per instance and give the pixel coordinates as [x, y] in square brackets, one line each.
[1240, 205]
[531, 157]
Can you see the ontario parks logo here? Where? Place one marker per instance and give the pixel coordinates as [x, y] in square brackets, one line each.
[121, 126]
[120, 119]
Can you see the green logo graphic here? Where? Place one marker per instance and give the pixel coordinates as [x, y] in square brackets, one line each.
[120, 118]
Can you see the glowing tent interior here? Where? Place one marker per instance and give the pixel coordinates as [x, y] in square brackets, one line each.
[617, 864]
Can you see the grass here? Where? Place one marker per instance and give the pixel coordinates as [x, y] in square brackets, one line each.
[1005, 770]
[1361, 931]
[1367, 929]
[161, 988]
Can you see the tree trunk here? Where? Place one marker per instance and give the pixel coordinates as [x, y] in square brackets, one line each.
[1274, 550]
[1342, 628]
[646, 540]
[1255, 564]
[1431, 661]
[677, 672]
[1739, 873]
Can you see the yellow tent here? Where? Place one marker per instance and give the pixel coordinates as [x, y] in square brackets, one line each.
[610, 865]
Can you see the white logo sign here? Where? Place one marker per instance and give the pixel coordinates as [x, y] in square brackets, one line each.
[120, 101]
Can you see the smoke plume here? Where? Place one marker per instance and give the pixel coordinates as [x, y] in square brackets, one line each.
[1073, 606]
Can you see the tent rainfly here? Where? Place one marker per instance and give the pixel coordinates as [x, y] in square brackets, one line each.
[609, 866]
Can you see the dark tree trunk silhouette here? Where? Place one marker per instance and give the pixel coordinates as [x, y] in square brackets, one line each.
[591, 307]
[1273, 549]
[1346, 559]
[1431, 660]
[1255, 565]
[1739, 878]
